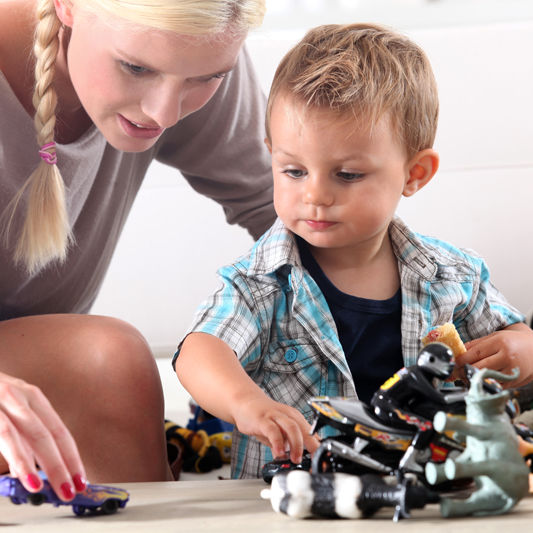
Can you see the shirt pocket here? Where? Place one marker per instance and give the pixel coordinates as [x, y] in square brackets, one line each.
[293, 372]
[290, 356]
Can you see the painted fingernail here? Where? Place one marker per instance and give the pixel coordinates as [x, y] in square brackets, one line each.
[33, 481]
[67, 491]
[79, 482]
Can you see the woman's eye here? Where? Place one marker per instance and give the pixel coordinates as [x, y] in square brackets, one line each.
[350, 176]
[219, 76]
[207, 79]
[133, 69]
[294, 173]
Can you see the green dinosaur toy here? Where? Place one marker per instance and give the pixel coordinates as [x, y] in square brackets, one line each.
[491, 455]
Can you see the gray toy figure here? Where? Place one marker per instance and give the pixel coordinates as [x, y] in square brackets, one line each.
[491, 455]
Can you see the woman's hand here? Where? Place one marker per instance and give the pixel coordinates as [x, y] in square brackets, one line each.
[280, 427]
[503, 350]
[31, 433]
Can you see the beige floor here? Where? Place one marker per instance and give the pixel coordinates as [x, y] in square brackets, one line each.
[235, 507]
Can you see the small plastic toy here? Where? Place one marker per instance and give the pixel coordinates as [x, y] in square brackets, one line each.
[402, 438]
[95, 499]
[300, 494]
[198, 451]
[395, 434]
[491, 455]
[276, 466]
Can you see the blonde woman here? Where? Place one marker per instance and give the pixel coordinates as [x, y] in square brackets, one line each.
[92, 91]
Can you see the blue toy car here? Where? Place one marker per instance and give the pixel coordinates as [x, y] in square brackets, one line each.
[95, 499]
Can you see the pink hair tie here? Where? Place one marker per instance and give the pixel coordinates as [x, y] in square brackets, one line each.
[47, 157]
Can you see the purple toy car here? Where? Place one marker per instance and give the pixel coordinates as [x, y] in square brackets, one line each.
[94, 499]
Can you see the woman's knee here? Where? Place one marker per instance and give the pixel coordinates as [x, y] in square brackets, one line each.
[119, 362]
[67, 355]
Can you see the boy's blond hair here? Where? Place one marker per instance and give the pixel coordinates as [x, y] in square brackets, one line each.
[46, 232]
[363, 71]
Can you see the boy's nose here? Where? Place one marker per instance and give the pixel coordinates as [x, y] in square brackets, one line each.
[317, 191]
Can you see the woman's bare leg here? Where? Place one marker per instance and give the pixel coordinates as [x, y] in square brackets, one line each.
[101, 378]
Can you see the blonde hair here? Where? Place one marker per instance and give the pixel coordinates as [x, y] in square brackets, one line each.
[367, 71]
[46, 233]
[187, 17]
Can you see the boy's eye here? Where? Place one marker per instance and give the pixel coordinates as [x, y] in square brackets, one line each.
[133, 69]
[350, 176]
[294, 173]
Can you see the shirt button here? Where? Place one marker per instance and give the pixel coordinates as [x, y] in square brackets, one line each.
[290, 356]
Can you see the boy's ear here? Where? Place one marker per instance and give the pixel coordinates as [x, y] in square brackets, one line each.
[64, 12]
[269, 146]
[421, 169]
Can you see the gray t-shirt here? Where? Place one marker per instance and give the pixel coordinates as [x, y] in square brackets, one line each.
[219, 150]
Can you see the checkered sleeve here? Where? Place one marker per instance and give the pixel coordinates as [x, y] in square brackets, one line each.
[231, 314]
[487, 309]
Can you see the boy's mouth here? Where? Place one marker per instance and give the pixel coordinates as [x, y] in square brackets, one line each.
[319, 224]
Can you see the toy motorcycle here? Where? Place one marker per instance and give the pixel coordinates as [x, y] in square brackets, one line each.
[367, 444]
[395, 435]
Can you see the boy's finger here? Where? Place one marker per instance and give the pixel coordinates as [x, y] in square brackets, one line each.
[311, 443]
[274, 437]
[294, 436]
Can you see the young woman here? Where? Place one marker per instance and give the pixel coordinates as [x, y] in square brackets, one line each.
[92, 91]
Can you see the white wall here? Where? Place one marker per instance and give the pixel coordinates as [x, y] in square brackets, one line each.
[481, 198]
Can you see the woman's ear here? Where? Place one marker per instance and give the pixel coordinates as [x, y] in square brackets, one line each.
[64, 12]
[421, 168]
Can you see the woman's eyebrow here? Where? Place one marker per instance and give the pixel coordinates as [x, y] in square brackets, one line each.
[223, 71]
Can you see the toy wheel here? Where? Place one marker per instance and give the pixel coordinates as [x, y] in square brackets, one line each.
[110, 506]
[529, 461]
[16, 501]
[37, 498]
[324, 462]
[79, 510]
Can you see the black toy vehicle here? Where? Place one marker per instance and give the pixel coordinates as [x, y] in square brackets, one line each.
[276, 466]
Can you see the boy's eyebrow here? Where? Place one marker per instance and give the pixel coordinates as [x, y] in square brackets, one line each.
[343, 157]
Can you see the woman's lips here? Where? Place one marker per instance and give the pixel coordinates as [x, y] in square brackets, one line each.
[319, 224]
[139, 131]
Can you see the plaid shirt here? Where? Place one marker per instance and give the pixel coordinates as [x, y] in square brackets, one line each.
[272, 314]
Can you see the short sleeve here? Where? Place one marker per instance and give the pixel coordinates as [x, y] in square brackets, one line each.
[231, 315]
[220, 150]
[487, 310]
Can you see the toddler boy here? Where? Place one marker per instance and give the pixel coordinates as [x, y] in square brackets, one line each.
[336, 296]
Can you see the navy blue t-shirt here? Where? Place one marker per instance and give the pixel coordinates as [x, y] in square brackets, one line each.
[369, 330]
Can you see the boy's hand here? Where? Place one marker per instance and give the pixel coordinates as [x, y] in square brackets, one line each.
[503, 350]
[278, 426]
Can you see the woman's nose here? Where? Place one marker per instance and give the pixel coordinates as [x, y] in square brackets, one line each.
[163, 106]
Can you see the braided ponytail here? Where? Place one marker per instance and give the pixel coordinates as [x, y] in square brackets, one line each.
[45, 234]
